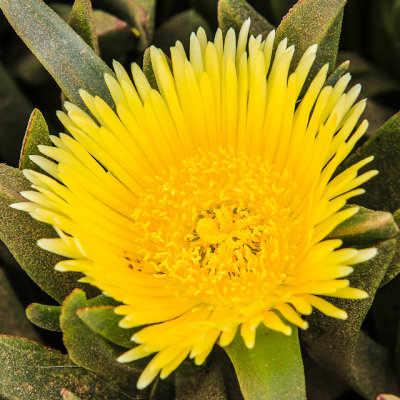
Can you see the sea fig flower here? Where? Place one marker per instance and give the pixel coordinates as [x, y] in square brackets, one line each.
[204, 206]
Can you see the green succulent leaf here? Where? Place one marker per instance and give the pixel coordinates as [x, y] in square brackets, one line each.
[310, 22]
[89, 350]
[337, 74]
[138, 13]
[20, 234]
[37, 132]
[394, 267]
[233, 13]
[30, 371]
[273, 369]
[382, 192]
[104, 321]
[179, 27]
[341, 347]
[12, 316]
[199, 383]
[67, 395]
[148, 69]
[82, 22]
[366, 228]
[71, 62]
[14, 111]
[44, 316]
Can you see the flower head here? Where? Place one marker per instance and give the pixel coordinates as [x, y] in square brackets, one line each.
[204, 206]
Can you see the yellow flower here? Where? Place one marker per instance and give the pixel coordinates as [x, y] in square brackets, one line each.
[204, 206]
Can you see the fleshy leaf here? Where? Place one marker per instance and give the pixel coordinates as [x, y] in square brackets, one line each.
[12, 316]
[148, 69]
[310, 22]
[20, 234]
[273, 369]
[44, 316]
[138, 13]
[71, 62]
[89, 350]
[366, 228]
[382, 192]
[82, 22]
[179, 27]
[37, 132]
[30, 371]
[337, 73]
[14, 111]
[233, 13]
[104, 321]
[341, 348]
[199, 383]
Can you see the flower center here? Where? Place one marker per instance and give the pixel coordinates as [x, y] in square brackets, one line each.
[227, 235]
[221, 228]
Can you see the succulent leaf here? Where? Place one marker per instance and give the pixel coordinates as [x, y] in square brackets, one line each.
[188, 386]
[30, 371]
[394, 267]
[12, 316]
[284, 377]
[74, 66]
[20, 233]
[310, 22]
[82, 22]
[104, 321]
[233, 13]
[37, 132]
[341, 346]
[44, 316]
[366, 228]
[89, 350]
[382, 193]
[337, 73]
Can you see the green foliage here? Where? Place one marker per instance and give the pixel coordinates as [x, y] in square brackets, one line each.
[382, 192]
[104, 321]
[233, 13]
[89, 350]
[46, 34]
[366, 228]
[37, 132]
[82, 22]
[46, 317]
[30, 371]
[20, 233]
[310, 22]
[198, 383]
[12, 316]
[273, 369]
[341, 347]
